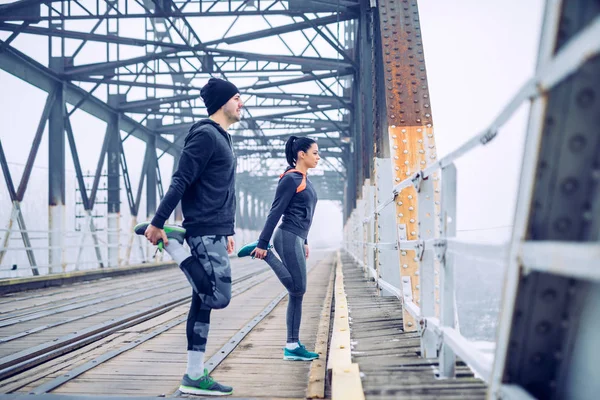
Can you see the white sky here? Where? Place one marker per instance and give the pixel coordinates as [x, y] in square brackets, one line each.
[478, 53]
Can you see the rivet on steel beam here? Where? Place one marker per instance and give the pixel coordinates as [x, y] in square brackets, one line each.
[416, 258]
[421, 151]
[420, 140]
[407, 173]
[397, 168]
[410, 197]
[430, 135]
[412, 220]
[397, 179]
[395, 157]
[403, 130]
[405, 162]
[411, 208]
[399, 203]
[395, 147]
[401, 215]
[404, 141]
[405, 151]
[403, 253]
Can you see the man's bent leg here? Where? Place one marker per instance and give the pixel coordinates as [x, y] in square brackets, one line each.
[190, 267]
[211, 252]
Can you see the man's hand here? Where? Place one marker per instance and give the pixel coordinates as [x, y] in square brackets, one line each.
[154, 234]
[306, 251]
[259, 253]
[230, 244]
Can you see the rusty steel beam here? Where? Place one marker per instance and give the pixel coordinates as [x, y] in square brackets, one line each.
[407, 117]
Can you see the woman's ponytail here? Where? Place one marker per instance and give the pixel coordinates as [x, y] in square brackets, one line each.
[290, 155]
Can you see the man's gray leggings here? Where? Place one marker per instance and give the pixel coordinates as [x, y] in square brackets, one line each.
[291, 271]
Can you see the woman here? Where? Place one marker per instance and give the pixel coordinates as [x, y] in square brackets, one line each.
[295, 199]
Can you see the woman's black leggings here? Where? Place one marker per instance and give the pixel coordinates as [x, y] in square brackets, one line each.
[290, 268]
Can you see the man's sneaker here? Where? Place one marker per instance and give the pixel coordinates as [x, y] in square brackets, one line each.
[248, 248]
[299, 354]
[173, 231]
[205, 385]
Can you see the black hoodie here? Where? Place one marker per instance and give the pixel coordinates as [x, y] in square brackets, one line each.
[204, 182]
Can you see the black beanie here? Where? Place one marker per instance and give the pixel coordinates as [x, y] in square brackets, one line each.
[216, 93]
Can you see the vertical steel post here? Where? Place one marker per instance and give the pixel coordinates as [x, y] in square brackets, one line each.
[56, 175]
[113, 159]
[448, 295]
[178, 211]
[426, 297]
[389, 261]
[402, 95]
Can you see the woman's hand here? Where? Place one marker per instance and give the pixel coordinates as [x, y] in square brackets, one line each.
[259, 253]
[306, 251]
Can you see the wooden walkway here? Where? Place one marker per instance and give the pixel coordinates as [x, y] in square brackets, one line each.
[148, 358]
[388, 357]
[124, 338]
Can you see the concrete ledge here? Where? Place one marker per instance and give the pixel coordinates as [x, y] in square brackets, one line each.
[12, 285]
[345, 375]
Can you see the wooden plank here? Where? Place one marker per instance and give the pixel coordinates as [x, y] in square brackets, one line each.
[345, 383]
[316, 377]
[391, 363]
[339, 352]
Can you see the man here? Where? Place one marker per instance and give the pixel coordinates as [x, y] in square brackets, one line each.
[205, 184]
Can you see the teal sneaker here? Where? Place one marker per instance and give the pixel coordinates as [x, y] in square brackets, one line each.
[173, 232]
[299, 354]
[204, 386]
[249, 248]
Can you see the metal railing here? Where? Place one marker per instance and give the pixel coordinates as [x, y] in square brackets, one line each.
[372, 232]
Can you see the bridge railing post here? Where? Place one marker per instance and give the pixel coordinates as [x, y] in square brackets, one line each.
[360, 233]
[447, 357]
[388, 259]
[426, 255]
[369, 227]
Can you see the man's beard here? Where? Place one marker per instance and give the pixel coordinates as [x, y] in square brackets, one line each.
[233, 117]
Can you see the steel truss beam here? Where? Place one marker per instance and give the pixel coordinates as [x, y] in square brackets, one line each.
[29, 70]
[25, 10]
